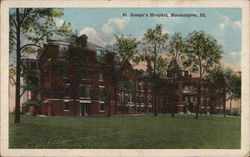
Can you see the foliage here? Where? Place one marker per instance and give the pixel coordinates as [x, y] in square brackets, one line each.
[35, 25]
[155, 42]
[156, 39]
[204, 53]
[125, 47]
[233, 81]
[224, 81]
[28, 28]
[216, 85]
[176, 47]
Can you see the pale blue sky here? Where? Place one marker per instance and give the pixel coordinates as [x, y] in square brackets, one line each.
[100, 24]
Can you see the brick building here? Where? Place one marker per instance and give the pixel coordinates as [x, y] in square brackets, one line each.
[75, 83]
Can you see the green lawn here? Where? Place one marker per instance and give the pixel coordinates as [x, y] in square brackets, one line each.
[144, 132]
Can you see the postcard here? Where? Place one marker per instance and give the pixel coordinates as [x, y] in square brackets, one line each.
[116, 78]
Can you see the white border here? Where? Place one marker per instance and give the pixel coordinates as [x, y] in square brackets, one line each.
[245, 147]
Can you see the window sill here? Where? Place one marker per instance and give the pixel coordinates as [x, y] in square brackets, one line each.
[84, 97]
[66, 110]
[102, 111]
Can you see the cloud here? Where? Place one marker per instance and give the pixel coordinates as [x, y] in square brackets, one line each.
[93, 36]
[222, 26]
[237, 24]
[233, 53]
[226, 19]
[232, 57]
[229, 23]
[115, 25]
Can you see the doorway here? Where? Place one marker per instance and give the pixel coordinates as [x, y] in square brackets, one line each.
[83, 109]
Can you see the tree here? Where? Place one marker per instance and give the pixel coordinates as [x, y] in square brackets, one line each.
[176, 50]
[114, 63]
[204, 53]
[155, 42]
[217, 86]
[224, 81]
[32, 25]
[233, 82]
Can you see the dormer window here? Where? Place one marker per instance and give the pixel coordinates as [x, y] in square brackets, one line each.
[63, 50]
[67, 90]
[101, 78]
[84, 59]
[84, 91]
[65, 73]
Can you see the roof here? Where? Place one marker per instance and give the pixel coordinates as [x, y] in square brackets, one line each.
[93, 46]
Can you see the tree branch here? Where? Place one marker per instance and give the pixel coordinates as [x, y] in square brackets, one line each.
[22, 93]
[30, 45]
[25, 14]
[13, 31]
[37, 41]
[13, 79]
[44, 35]
[11, 17]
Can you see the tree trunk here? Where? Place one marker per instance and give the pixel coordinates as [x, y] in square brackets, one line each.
[109, 104]
[230, 101]
[155, 105]
[199, 100]
[18, 68]
[224, 105]
[173, 104]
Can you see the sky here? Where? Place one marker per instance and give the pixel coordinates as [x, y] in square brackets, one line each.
[100, 25]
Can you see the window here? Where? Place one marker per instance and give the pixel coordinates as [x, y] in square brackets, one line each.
[119, 98]
[122, 97]
[142, 100]
[150, 100]
[102, 93]
[208, 110]
[66, 106]
[65, 73]
[84, 74]
[102, 107]
[218, 111]
[122, 84]
[63, 49]
[67, 90]
[175, 75]
[101, 76]
[138, 109]
[84, 91]
[130, 98]
[149, 86]
[141, 109]
[84, 59]
[192, 99]
[202, 110]
[141, 87]
[202, 101]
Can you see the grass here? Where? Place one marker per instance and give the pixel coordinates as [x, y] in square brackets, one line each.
[144, 132]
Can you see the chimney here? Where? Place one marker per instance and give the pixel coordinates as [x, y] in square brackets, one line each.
[81, 41]
[149, 66]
